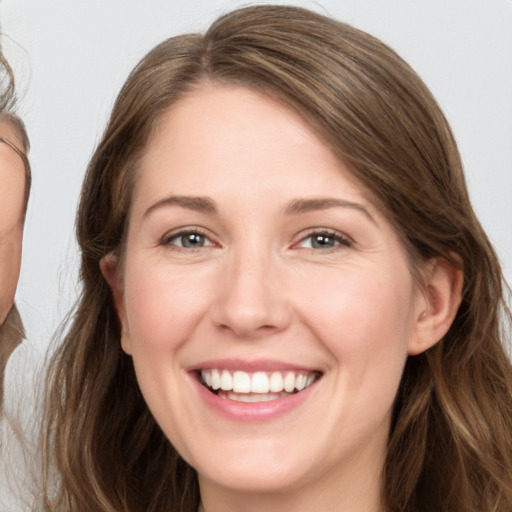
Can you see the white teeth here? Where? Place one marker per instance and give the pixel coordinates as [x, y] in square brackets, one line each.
[260, 383]
[215, 379]
[241, 382]
[300, 382]
[276, 382]
[252, 397]
[270, 385]
[226, 381]
[289, 382]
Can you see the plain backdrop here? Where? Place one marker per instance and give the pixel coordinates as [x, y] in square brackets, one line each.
[71, 58]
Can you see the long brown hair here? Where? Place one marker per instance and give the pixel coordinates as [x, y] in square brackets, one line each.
[450, 445]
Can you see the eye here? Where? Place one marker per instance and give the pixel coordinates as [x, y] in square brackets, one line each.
[324, 239]
[188, 239]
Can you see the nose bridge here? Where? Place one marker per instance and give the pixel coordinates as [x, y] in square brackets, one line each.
[251, 301]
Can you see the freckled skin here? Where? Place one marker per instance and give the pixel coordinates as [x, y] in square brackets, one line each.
[12, 191]
[259, 285]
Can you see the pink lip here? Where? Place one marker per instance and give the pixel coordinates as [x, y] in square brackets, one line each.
[262, 365]
[255, 412]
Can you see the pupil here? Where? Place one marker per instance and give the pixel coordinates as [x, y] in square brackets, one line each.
[193, 240]
[320, 241]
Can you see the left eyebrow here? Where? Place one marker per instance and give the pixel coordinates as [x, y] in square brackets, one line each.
[200, 204]
[298, 206]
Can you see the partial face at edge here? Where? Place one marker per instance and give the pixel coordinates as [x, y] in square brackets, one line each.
[12, 211]
[251, 253]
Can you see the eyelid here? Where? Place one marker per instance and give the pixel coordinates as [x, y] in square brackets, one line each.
[186, 230]
[343, 239]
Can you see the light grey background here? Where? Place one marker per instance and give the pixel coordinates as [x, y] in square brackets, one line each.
[72, 56]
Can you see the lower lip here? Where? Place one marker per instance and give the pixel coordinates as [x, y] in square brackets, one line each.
[252, 412]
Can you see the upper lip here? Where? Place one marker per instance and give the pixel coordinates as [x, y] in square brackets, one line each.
[250, 366]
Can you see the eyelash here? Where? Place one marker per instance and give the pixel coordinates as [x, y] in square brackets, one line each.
[337, 238]
[168, 239]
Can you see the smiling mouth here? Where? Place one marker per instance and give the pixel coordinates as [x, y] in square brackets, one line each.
[258, 386]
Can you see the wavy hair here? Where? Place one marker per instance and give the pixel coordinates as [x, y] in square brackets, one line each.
[450, 444]
[7, 87]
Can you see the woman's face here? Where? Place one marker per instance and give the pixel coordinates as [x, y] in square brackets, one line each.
[12, 211]
[256, 264]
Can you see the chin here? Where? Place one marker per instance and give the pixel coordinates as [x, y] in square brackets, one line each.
[264, 477]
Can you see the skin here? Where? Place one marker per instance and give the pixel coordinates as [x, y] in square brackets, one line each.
[256, 287]
[12, 211]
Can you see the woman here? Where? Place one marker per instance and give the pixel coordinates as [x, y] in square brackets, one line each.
[15, 181]
[14, 190]
[288, 302]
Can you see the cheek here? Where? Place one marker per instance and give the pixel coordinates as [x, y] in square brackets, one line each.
[363, 316]
[364, 320]
[12, 196]
[162, 304]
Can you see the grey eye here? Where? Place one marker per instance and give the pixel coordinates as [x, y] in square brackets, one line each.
[192, 240]
[322, 241]
[188, 240]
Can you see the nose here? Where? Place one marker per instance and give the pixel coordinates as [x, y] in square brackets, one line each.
[251, 300]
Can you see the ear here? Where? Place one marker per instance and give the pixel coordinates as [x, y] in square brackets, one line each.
[438, 304]
[109, 266]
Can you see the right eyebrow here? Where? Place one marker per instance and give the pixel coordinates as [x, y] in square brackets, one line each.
[299, 206]
[197, 203]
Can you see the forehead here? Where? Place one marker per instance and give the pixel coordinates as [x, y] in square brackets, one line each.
[249, 154]
[230, 132]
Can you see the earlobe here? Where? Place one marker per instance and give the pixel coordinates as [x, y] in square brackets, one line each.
[109, 268]
[441, 297]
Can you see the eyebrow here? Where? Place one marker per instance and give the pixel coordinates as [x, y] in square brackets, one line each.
[199, 204]
[295, 207]
[298, 206]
